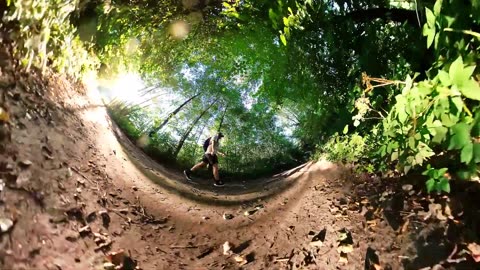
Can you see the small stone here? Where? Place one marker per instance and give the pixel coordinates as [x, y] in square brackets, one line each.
[5, 224]
[26, 163]
[227, 249]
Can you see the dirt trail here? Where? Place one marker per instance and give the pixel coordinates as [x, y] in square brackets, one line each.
[76, 190]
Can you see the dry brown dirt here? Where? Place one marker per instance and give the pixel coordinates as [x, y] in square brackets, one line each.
[76, 190]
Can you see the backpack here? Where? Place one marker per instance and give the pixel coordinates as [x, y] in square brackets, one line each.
[206, 143]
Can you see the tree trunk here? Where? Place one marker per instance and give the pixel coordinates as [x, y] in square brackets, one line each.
[187, 133]
[171, 115]
[198, 138]
[221, 120]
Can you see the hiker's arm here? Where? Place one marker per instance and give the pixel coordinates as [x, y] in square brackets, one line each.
[221, 154]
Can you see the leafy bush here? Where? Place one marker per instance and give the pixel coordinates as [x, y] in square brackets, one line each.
[45, 36]
[439, 116]
[351, 149]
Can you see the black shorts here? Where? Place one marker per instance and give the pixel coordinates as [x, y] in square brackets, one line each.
[210, 159]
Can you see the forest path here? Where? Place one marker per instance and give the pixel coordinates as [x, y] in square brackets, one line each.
[74, 194]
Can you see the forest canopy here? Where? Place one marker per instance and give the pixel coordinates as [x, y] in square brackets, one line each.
[386, 85]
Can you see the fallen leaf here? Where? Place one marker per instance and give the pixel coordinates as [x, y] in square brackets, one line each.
[474, 249]
[227, 249]
[5, 224]
[345, 248]
[317, 240]
[4, 116]
[249, 212]
[240, 260]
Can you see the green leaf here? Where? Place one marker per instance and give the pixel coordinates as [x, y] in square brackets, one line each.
[290, 10]
[356, 123]
[461, 136]
[285, 21]
[430, 18]
[471, 89]
[476, 129]
[345, 129]
[227, 5]
[430, 184]
[458, 102]
[476, 152]
[402, 114]
[456, 72]
[444, 185]
[468, 71]
[437, 7]
[447, 119]
[450, 20]
[394, 156]
[430, 36]
[283, 39]
[440, 134]
[444, 78]
[467, 153]
[412, 143]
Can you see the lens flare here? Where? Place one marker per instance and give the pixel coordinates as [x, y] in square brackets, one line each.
[179, 30]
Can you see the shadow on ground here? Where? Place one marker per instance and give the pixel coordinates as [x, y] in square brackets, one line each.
[430, 230]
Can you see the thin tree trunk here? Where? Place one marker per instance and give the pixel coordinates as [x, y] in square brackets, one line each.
[172, 114]
[223, 117]
[187, 133]
[198, 137]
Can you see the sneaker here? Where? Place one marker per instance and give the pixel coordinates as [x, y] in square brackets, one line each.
[218, 183]
[187, 174]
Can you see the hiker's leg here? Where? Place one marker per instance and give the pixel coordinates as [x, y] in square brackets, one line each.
[216, 176]
[198, 166]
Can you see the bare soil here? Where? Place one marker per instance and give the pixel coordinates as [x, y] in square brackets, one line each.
[76, 190]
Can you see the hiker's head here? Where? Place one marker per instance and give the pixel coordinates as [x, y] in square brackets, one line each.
[220, 135]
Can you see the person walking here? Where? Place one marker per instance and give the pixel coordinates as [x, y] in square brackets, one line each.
[210, 146]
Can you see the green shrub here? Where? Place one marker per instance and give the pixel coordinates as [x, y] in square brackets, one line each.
[45, 35]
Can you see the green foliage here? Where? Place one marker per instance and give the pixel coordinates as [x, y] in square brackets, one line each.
[350, 149]
[437, 181]
[440, 114]
[45, 34]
